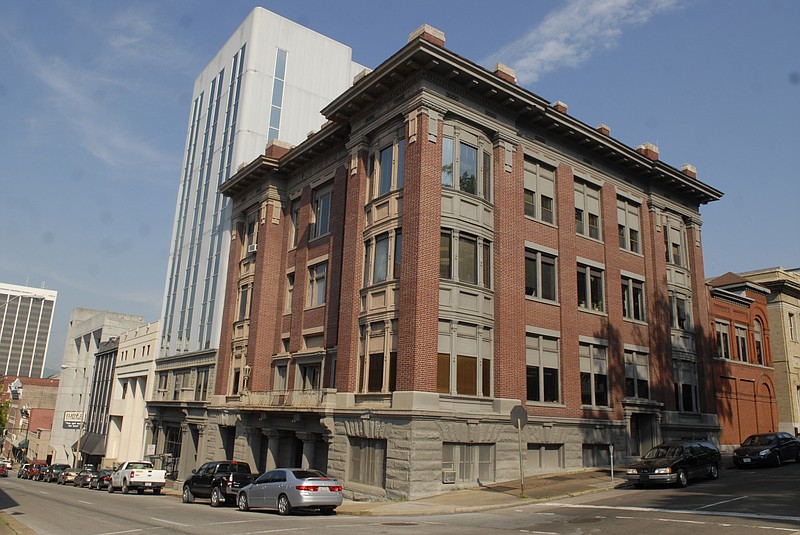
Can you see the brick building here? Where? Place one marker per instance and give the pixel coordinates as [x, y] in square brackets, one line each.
[744, 378]
[447, 247]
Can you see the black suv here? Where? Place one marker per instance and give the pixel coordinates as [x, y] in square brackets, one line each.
[676, 462]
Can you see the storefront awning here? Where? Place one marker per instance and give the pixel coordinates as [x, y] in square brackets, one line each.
[91, 444]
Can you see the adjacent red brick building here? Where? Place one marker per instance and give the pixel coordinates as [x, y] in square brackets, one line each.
[744, 377]
[447, 247]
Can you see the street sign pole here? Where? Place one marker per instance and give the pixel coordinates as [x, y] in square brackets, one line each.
[521, 470]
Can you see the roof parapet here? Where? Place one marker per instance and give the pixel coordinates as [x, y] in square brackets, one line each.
[560, 106]
[689, 170]
[604, 129]
[429, 33]
[361, 74]
[505, 72]
[277, 148]
[648, 150]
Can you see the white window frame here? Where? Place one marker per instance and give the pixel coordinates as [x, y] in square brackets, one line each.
[322, 206]
[315, 298]
[590, 272]
[637, 369]
[594, 362]
[541, 357]
[587, 205]
[629, 225]
[540, 182]
[742, 351]
[723, 335]
[629, 298]
[536, 255]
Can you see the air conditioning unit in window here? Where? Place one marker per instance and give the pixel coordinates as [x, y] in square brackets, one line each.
[252, 248]
[448, 477]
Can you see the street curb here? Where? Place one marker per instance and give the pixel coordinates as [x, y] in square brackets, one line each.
[9, 524]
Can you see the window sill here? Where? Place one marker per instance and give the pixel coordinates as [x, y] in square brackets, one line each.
[542, 300]
[635, 321]
[593, 312]
[314, 307]
[584, 236]
[640, 255]
[556, 404]
[537, 220]
[599, 408]
[318, 238]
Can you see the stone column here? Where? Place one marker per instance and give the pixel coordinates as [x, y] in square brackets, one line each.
[273, 447]
[309, 443]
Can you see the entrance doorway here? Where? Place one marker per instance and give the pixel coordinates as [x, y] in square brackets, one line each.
[643, 433]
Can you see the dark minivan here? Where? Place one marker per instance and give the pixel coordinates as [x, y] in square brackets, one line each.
[676, 462]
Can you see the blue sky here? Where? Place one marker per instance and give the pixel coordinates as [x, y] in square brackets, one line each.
[94, 103]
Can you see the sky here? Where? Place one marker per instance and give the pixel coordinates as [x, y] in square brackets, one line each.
[95, 95]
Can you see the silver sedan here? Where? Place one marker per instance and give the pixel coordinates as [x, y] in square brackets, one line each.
[286, 489]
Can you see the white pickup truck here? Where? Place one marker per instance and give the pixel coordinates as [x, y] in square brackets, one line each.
[138, 475]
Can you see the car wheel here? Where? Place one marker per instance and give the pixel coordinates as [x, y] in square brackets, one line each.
[241, 503]
[125, 488]
[638, 485]
[157, 491]
[217, 499]
[713, 472]
[284, 507]
[797, 456]
[327, 510]
[778, 460]
[110, 488]
[187, 496]
[683, 479]
[139, 491]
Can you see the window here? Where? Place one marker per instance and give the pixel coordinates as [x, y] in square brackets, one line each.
[679, 307]
[685, 374]
[466, 164]
[637, 374]
[398, 249]
[381, 264]
[590, 288]
[741, 342]
[277, 94]
[387, 167]
[587, 210]
[759, 342]
[309, 375]
[633, 299]
[377, 259]
[723, 339]
[295, 223]
[792, 327]
[316, 284]
[249, 238]
[540, 275]
[628, 224]
[542, 368]
[469, 461]
[244, 303]
[674, 242]
[378, 357]
[201, 386]
[367, 461]
[287, 309]
[322, 213]
[540, 191]
[181, 383]
[280, 377]
[465, 360]
[474, 258]
[594, 374]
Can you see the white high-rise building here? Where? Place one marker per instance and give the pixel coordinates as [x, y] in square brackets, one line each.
[26, 315]
[268, 81]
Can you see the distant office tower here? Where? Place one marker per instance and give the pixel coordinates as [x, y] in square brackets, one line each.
[269, 81]
[25, 318]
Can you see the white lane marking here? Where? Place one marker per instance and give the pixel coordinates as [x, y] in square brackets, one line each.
[720, 503]
[128, 531]
[270, 531]
[231, 522]
[168, 522]
[671, 511]
[721, 524]
[87, 503]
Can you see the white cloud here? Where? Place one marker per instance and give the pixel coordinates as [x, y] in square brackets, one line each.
[571, 35]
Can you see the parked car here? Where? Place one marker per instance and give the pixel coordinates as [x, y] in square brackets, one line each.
[138, 475]
[101, 479]
[218, 480]
[22, 468]
[53, 471]
[3, 470]
[68, 476]
[7, 462]
[767, 448]
[286, 489]
[676, 462]
[32, 470]
[83, 477]
[38, 472]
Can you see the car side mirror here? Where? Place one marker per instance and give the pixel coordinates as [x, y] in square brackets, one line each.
[194, 470]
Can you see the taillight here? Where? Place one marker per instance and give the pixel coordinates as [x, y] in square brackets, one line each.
[335, 488]
[133, 474]
[309, 488]
[230, 478]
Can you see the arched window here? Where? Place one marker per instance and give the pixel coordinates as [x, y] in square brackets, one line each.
[757, 330]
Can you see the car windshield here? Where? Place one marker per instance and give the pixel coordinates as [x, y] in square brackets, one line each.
[309, 474]
[664, 452]
[759, 440]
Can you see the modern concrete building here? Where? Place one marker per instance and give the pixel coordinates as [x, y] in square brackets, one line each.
[268, 81]
[87, 330]
[449, 247]
[783, 306]
[744, 379]
[133, 387]
[26, 315]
